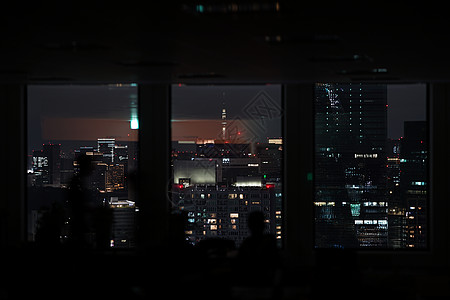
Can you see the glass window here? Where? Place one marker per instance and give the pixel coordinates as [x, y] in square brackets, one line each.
[82, 160]
[226, 145]
[371, 166]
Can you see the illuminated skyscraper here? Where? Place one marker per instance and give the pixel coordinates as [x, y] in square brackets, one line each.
[396, 211]
[115, 177]
[414, 182]
[46, 165]
[350, 165]
[107, 146]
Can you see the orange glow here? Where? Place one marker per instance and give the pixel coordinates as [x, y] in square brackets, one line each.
[87, 129]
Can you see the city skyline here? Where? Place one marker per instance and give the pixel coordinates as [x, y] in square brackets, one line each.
[54, 112]
[227, 133]
[108, 185]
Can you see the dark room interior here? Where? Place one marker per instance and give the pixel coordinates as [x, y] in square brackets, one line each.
[241, 150]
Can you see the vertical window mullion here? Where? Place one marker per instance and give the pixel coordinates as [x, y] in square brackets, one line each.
[298, 169]
[154, 159]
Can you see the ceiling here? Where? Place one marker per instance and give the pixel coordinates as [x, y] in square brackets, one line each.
[225, 42]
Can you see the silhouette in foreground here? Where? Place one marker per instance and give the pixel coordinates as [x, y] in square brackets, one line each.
[80, 199]
[90, 223]
[258, 258]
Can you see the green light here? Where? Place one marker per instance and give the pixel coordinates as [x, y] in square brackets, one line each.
[199, 8]
[309, 176]
[134, 124]
[265, 176]
[355, 209]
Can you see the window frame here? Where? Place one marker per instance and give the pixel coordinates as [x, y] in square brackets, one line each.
[300, 115]
[298, 217]
[282, 174]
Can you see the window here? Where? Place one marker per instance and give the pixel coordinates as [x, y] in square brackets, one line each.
[371, 163]
[227, 143]
[82, 160]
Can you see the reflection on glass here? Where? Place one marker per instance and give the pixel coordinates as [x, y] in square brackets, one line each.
[82, 159]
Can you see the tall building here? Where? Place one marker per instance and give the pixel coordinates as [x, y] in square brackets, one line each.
[350, 165]
[414, 182]
[46, 164]
[115, 177]
[123, 223]
[270, 155]
[40, 168]
[67, 169]
[53, 152]
[106, 146]
[396, 210]
[97, 177]
[121, 154]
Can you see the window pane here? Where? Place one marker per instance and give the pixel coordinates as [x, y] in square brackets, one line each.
[371, 166]
[82, 160]
[226, 159]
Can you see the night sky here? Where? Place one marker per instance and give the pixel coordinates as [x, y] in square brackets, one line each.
[196, 111]
[68, 113]
[407, 102]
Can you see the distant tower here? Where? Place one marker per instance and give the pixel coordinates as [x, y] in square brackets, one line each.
[224, 117]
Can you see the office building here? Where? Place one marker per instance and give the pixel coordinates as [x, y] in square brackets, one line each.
[270, 155]
[350, 165]
[221, 212]
[46, 165]
[219, 183]
[414, 182]
[396, 210]
[106, 146]
[123, 231]
[115, 177]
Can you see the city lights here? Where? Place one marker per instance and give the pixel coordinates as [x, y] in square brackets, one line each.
[230, 172]
[93, 162]
[376, 182]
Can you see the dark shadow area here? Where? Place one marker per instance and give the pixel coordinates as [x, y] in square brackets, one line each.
[74, 247]
[258, 259]
[212, 268]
